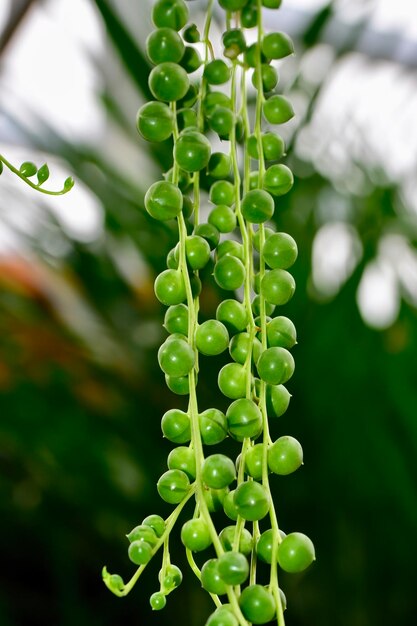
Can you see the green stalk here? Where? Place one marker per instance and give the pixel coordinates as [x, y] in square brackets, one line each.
[68, 184]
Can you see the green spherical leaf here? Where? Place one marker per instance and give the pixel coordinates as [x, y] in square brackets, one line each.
[275, 366]
[257, 206]
[266, 543]
[192, 151]
[173, 486]
[140, 552]
[277, 45]
[156, 522]
[164, 44]
[179, 385]
[173, 577]
[281, 332]
[232, 5]
[163, 200]
[280, 251]
[278, 179]
[42, 174]
[176, 357]
[157, 601]
[232, 381]
[213, 426]
[233, 315]
[211, 338]
[155, 121]
[191, 34]
[285, 456]
[210, 578]
[217, 72]
[170, 288]
[252, 501]
[249, 16]
[272, 4]
[170, 14]
[223, 218]
[277, 400]
[219, 165]
[223, 616]
[218, 471]
[28, 169]
[269, 78]
[176, 426]
[254, 461]
[244, 418]
[257, 604]
[209, 233]
[176, 319]
[296, 553]
[195, 535]
[277, 286]
[227, 538]
[191, 60]
[233, 568]
[273, 146]
[232, 248]
[234, 43]
[197, 252]
[168, 82]
[278, 110]
[229, 273]
[143, 532]
[183, 458]
[241, 344]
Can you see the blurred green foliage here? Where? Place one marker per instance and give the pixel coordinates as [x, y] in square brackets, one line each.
[82, 397]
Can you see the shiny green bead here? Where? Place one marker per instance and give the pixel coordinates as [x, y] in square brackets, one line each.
[164, 44]
[275, 366]
[176, 319]
[168, 82]
[219, 165]
[278, 179]
[170, 288]
[213, 426]
[232, 381]
[278, 286]
[269, 78]
[210, 233]
[163, 200]
[191, 60]
[281, 332]
[277, 400]
[155, 121]
[170, 14]
[278, 110]
[192, 151]
[173, 486]
[257, 206]
[277, 45]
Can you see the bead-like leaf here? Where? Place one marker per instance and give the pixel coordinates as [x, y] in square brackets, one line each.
[43, 174]
[69, 183]
[28, 169]
[114, 582]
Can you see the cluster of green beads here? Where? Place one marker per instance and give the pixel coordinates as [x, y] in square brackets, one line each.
[246, 255]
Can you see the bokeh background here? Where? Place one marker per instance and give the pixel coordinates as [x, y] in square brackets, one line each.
[81, 394]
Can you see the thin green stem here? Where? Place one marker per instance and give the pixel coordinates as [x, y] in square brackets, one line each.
[169, 525]
[68, 185]
[260, 99]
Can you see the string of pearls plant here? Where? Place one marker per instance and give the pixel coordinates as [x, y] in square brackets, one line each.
[251, 258]
[28, 170]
